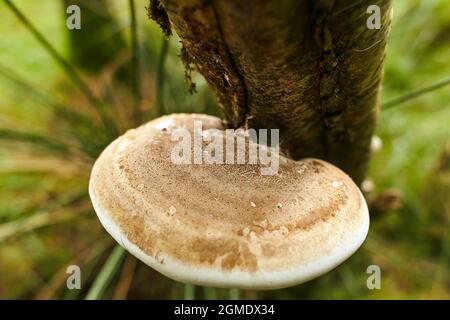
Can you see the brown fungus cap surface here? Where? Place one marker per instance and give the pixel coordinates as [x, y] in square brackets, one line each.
[225, 225]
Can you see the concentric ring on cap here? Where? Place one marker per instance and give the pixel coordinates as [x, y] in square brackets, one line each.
[225, 225]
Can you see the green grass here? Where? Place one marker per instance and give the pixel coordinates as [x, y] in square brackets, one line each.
[47, 150]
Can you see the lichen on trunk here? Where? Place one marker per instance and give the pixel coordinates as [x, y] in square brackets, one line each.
[310, 68]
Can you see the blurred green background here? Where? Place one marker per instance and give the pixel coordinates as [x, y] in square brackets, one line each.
[50, 134]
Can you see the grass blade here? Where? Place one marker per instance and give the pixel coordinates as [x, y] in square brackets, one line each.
[82, 127]
[47, 143]
[234, 294]
[189, 292]
[126, 278]
[36, 221]
[31, 89]
[210, 293]
[414, 94]
[107, 273]
[83, 258]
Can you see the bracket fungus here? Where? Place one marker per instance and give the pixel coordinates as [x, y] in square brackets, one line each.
[225, 225]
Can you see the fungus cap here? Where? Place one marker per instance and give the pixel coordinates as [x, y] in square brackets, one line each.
[225, 225]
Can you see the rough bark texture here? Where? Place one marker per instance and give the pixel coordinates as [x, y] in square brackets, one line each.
[309, 67]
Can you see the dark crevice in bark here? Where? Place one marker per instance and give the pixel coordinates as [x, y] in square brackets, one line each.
[324, 50]
[197, 24]
[240, 120]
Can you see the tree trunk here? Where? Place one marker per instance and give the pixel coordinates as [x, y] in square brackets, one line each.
[309, 67]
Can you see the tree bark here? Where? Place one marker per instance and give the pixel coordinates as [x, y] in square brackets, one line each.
[99, 41]
[311, 68]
